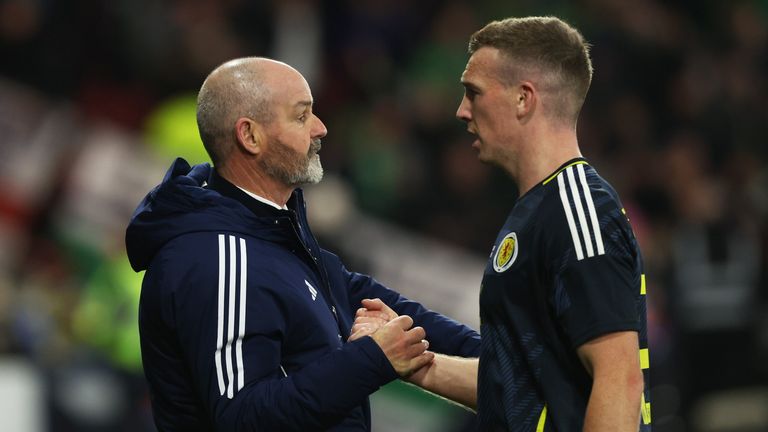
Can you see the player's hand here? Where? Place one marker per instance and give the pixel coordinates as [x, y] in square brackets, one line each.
[372, 316]
[375, 308]
[365, 326]
[419, 377]
[405, 347]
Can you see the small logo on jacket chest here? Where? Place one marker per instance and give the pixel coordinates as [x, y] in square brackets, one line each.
[506, 253]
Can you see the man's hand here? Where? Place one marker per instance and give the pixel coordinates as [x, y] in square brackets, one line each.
[376, 308]
[405, 349]
[454, 378]
[372, 316]
[421, 376]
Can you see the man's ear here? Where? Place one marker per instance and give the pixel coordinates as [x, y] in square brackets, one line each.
[249, 135]
[527, 98]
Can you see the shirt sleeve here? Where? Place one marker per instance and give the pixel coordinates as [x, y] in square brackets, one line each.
[445, 335]
[593, 258]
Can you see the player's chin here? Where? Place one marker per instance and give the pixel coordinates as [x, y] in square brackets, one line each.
[487, 158]
[482, 154]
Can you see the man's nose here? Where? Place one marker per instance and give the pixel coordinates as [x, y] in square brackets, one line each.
[463, 113]
[320, 130]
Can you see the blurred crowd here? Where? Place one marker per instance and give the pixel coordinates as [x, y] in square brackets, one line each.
[97, 97]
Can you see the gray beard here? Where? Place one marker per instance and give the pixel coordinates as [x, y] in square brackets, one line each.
[291, 167]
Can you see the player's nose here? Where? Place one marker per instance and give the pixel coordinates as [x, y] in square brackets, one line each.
[464, 113]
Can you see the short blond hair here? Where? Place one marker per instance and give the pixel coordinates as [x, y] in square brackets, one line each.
[548, 47]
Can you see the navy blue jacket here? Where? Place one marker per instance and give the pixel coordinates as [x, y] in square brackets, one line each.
[244, 319]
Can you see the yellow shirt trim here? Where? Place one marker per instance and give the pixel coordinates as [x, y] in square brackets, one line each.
[549, 179]
[542, 420]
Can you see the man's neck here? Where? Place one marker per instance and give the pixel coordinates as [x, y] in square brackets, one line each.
[256, 182]
[542, 156]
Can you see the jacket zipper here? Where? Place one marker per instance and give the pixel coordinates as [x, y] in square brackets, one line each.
[320, 271]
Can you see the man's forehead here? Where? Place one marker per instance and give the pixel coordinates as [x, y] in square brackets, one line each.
[482, 65]
[294, 90]
[485, 58]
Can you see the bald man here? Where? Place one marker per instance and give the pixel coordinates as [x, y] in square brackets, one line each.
[244, 320]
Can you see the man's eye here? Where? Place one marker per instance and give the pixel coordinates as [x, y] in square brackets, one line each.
[303, 118]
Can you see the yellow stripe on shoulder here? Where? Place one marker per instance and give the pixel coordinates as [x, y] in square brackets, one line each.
[550, 178]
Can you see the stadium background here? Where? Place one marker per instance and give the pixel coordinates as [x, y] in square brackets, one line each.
[97, 97]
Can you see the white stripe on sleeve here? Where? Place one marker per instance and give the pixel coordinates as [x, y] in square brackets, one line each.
[569, 217]
[241, 332]
[220, 329]
[592, 212]
[231, 316]
[580, 212]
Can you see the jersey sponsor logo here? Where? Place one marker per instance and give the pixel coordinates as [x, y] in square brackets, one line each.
[231, 309]
[506, 253]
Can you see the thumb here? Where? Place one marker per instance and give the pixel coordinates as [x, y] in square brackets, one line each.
[403, 321]
[378, 305]
[373, 304]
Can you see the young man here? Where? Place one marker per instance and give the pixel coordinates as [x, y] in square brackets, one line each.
[562, 305]
[244, 319]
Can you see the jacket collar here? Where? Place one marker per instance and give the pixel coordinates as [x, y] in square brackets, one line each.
[219, 184]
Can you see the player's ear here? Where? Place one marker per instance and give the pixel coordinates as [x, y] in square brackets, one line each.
[250, 135]
[526, 98]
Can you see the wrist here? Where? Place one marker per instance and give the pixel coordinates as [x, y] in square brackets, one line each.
[372, 350]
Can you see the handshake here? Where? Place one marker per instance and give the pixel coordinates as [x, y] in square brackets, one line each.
[405, 347]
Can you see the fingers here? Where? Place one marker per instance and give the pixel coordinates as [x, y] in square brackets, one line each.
[358, 328]
[405, 347]
[415, 334]
[371, 320]
[365, 325]
[419, 375]
[403, 321]
[363, 312]
[360, 332]
[417, 348]
[378, 305]
[420, 361]
[368, 324]
[374, 304]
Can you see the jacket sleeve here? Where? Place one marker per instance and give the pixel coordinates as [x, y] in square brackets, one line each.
[445, 335]
[312, 398]
[233, 340]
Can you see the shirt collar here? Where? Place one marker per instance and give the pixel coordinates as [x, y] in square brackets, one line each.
[258, 205]
[264, 200]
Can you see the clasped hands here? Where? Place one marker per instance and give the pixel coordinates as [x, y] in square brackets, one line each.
[405, 347]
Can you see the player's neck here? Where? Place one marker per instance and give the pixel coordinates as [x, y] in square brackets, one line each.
[543, 155]
[240, 174]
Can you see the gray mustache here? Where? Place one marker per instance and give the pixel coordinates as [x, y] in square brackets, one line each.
[315, 146]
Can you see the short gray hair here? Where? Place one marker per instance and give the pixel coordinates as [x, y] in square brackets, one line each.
[233, 90]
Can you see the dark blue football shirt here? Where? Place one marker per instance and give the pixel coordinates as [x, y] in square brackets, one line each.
[565, 269]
